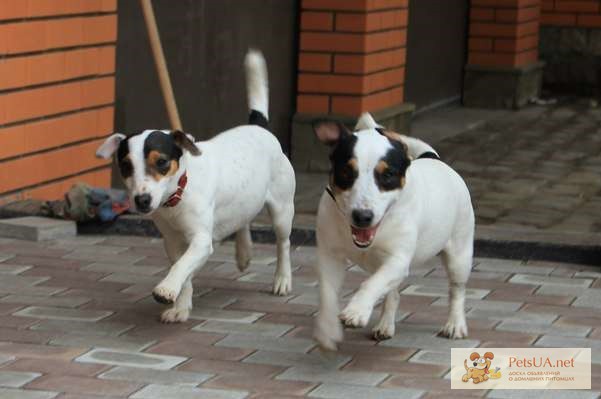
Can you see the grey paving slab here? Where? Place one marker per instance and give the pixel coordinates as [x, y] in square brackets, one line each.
[470, 293]
[177, 392]
[44, 312]
[483, 304]
[237, 316]
[35, 228]
[529, 328]
[590, 299]
[151, 376]
[83, 327]
[8, 393]
[550, 280]
[426, 356]
[283, 344]
[130, 359]
[510, 266]
[331, 361]
[324, 374]
[16, 379]
[92, 341]
[53, 301]
[348, 391]
[519, 316]
[6, 268]
[130, 278]
[540, 393]
[258, 328]
[424, 341]
[122, 268]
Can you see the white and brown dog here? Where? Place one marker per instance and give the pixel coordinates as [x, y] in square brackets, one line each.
[391, 204]
[200, 193]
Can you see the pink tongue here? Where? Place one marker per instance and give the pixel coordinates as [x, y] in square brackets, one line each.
[364, 235]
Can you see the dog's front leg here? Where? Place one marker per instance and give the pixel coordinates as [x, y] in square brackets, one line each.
[330, 270]
[387, 277]
[199, 250]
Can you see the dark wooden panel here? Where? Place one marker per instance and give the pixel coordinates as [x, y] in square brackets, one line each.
[205, 43]
[436, 50]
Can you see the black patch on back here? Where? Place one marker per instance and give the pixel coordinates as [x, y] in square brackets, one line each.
[257, 118]
[429, 154]
[398, 161]
[343, 174]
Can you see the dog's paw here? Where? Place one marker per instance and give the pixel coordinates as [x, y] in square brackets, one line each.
[175, 315]
[163, 294]
[454, 329]
[383, 331]
[328, 335]
[354, 317]
[282, 285]
[243, 258]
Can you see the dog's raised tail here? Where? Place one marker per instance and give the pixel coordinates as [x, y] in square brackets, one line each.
[257, 88]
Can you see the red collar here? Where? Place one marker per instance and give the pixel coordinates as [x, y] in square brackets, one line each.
[176, 197]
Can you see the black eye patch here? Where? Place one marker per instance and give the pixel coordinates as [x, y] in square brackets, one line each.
[344, 170]
[163, 144]
[390, 171]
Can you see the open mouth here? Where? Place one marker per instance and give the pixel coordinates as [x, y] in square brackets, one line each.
[363, 237]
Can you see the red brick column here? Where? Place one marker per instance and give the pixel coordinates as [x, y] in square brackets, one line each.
[56, 94]
[503, 68]
[352, 56]
[504, 33]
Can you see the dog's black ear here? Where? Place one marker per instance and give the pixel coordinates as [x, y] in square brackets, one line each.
[185, 142]
[330, 132]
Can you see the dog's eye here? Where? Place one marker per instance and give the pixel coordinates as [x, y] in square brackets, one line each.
[126, 168]
[388, 174]
[161, 163]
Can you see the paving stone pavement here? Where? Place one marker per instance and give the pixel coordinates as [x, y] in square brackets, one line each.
[77, 321]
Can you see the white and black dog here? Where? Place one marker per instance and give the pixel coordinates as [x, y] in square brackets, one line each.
[391, 204]
[200, 193]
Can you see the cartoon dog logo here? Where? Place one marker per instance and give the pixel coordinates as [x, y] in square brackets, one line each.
[481, 368]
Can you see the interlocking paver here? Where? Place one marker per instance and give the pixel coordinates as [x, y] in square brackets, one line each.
[7, 393]
[130, 359]
[151, 376]
[164, 391]
[16, 379]
[339, 391]
[92, 329]
[258, 328]
[43, 312]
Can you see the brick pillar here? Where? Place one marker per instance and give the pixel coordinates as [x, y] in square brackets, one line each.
[57, 78]
[351, 60]
[503, 68]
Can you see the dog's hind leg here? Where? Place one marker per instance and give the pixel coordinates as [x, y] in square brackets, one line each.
[385, 327]
[281, 215]
[457, 259]
[280, 204]
[243, 248]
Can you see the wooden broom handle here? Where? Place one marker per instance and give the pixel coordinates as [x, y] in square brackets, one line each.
[161, 65]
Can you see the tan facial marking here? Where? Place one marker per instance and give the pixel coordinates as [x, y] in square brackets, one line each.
[381, 167]
[151, 168]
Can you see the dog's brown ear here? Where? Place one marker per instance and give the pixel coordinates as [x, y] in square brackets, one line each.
[330, 132]
[183, 141]
[474, 356]
[489, 355]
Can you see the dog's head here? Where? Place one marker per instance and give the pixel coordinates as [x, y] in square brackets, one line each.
[367, 172]
[481, 363]
[149, 163]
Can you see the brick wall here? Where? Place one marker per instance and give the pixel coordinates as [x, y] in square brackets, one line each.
[57, 61]
[581, 13]
[352, 55]
[504, 33]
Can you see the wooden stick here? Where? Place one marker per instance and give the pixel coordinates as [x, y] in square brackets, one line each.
[161, 65]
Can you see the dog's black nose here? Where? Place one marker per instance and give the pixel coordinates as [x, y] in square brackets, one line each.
[362, 217]
[475, 364]
[143, 202]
